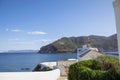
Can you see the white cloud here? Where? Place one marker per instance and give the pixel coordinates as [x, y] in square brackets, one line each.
[36, 33]
[16, 30]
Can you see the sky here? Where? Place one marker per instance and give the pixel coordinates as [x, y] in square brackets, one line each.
[30, 24]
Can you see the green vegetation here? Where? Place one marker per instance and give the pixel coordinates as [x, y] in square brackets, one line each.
[65, 45]
[101, 68]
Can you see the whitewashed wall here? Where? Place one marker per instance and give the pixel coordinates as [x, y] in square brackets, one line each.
[47, 75]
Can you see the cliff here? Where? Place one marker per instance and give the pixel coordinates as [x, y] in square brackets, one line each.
[70, 44]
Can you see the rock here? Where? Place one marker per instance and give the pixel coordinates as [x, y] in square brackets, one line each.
[41, 67]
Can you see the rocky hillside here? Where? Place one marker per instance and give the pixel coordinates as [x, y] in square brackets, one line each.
[66, 45]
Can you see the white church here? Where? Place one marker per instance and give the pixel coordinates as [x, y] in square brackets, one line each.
[87, 51]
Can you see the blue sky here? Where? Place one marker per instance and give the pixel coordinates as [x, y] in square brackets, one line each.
[30, 24]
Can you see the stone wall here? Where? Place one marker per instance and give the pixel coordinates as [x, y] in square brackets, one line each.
[64, 66]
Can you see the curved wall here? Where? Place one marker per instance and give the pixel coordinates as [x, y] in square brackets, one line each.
[46, 75]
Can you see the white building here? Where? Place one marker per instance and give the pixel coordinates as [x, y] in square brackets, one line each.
[87, 52]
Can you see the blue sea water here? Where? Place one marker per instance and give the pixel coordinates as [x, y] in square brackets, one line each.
[17, 62]
[20, 61]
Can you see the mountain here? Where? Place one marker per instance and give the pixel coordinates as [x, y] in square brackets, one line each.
[70, 44]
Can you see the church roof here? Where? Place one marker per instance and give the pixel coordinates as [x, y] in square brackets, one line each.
[90, 54]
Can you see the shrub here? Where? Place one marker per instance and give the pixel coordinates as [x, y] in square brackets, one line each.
[108, 63]
[85, 71]
[101, 68]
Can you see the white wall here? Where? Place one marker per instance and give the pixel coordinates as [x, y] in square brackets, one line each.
[47, 75]
[116, 5]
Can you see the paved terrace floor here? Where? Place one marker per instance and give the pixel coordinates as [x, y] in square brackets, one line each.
[62, 78]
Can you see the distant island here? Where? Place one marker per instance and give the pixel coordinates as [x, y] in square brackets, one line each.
[19, 51]
[70, 44]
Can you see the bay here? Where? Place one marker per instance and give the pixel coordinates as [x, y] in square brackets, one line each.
[26, 61]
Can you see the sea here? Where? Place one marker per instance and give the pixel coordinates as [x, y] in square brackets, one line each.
[27, 61]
